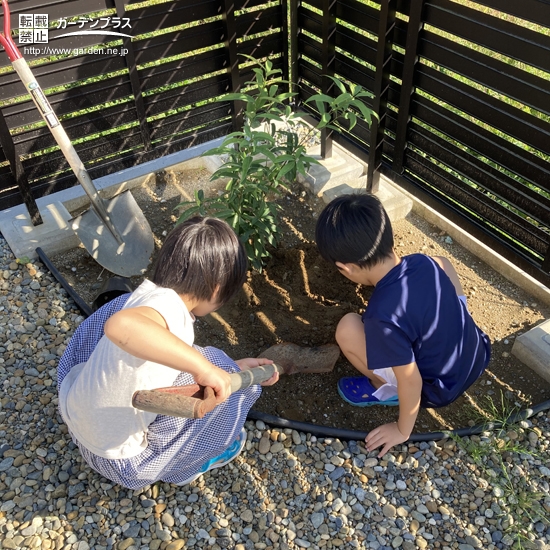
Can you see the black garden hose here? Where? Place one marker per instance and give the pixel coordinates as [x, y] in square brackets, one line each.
[316, 429]
[81, 304]
[343, 434]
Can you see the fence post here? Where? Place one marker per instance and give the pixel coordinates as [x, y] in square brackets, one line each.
[407, 84]
[286, 32]
[134, 81]
[230, 30]
[381, 86]
[546, 261]
[327, 60]
[293, 44]
[7, 144]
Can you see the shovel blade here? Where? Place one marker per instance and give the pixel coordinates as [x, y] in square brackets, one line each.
[128, 259]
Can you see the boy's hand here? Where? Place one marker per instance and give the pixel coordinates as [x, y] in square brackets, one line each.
[218, 380]
[386, 436]
[253, 362]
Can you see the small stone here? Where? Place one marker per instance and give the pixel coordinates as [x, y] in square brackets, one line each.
[317, 519]
[264, 445]
[277, 447]
[389, 511]
[421, 542]
[125, 544]
[247, 516]
[167, 519]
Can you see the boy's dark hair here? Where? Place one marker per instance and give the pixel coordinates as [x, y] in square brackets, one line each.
[354, 229]
[200, 256]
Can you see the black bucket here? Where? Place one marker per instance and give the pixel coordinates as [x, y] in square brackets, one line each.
[110, 289]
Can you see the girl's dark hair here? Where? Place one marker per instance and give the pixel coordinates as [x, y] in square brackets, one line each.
[201, 256]
[354, 229]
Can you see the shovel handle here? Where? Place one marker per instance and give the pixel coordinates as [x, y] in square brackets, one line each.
[6, 40]
[176, 401]
[250, 377]
[194, 401]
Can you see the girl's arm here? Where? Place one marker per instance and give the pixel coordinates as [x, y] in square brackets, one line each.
[143, 332]
[409, 388]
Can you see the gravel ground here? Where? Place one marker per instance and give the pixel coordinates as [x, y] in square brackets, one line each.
[287, 490]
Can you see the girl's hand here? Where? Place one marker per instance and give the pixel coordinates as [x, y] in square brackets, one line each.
[386, 436]
[253, 362]
[218, 380]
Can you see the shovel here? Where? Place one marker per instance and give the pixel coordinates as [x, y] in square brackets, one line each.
[194, 401]
[114, 232]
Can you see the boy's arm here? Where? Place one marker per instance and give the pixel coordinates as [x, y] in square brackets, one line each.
[409, 388]
[143, 332]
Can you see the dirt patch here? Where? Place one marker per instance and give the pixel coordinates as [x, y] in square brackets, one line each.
[300, 298]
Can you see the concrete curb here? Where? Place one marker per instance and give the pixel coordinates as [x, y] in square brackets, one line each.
[533, 349]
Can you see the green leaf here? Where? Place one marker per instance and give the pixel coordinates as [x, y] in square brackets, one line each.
[259, 76]
[366, 113]
[224, 214]
[266, 152]
[263, 136]
[245, 167]
[190, 212]
[290, 166]
[325, 119]
[225, 172]
[341, 86]
[301, 168]
[342, 99]
[279, 159]
[319, 97]
[235, 96]
[352, 120]
[321, 107]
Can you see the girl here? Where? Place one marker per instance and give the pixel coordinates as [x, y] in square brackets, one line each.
[144, 340]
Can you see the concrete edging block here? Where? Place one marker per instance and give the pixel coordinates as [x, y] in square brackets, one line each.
[54, 236]
[396, 204]
[533, 349]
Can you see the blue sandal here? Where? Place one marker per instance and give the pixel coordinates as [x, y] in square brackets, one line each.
[232, 452]
[358, 391]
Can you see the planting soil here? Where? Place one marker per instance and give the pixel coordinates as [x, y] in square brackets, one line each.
[300, 298]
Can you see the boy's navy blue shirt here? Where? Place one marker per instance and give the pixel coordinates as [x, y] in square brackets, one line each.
[415, 315]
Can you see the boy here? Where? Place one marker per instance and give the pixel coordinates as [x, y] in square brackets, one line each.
[416, 343]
